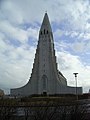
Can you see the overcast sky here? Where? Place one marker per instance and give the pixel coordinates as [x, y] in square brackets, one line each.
[20, 21]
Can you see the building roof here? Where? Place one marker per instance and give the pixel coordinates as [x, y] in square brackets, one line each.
[1, 92]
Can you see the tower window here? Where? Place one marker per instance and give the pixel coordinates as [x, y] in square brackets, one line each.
[41, 32]
[44, 31]
[47, 31]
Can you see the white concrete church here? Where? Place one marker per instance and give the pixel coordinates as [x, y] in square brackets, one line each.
[45, 76]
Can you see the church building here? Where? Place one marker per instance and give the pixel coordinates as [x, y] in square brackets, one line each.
[45, 77]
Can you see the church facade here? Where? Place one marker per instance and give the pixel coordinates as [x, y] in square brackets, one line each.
[45, 76]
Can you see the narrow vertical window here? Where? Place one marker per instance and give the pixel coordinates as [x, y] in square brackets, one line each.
[47, 31]
[44, 83]
[41, 32]
[44, 31]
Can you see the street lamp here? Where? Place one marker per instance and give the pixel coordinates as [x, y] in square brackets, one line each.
[76, 85]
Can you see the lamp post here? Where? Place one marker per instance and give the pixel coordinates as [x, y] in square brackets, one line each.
[76, 85]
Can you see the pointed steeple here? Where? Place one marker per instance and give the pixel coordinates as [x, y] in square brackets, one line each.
[45, 77]
[46, 24]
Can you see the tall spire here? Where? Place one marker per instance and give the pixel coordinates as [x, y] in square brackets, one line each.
[46, 24]
[45, 77]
